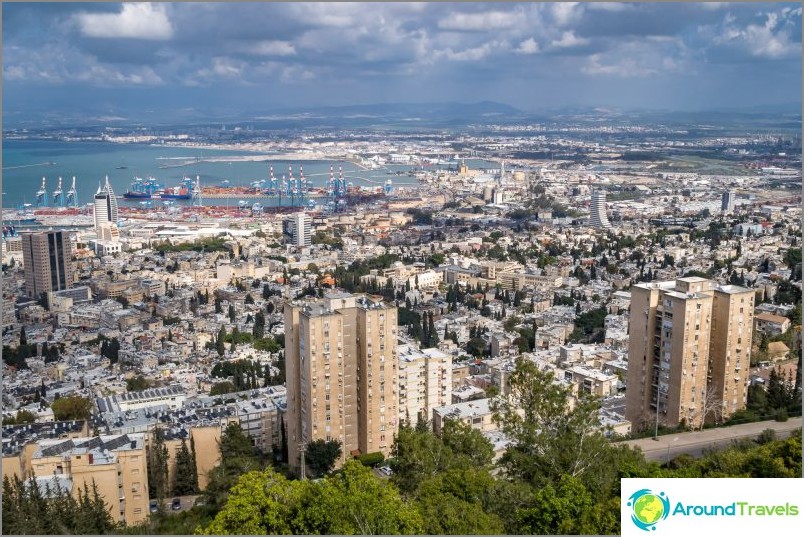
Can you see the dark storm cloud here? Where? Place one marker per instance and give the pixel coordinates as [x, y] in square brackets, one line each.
[526, 54]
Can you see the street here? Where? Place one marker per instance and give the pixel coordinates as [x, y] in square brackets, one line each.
[694, 443]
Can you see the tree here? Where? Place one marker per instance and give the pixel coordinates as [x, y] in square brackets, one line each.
[158, 467]
[249, 299]
[568, 508]
[260, 503]
[462, 439]
[23, 416]
[232, 315]
[258, 330]
[186, 480]
[72, 407]
[218, 305]
[222, 388]
[219, 342]
[237, 458]
[23, 337]
[550, 437]
[137, 384]
[321, 456]
[354, 502]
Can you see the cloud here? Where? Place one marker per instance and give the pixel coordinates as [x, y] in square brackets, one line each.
[470, 54]
[612, 7]
[771, 40]
[626, 68]
[473, 22]
[528, 46]
[569, 39]
[565, 13]
[273, 48]
[135, 21]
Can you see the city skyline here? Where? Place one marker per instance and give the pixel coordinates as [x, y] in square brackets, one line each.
[132, 58]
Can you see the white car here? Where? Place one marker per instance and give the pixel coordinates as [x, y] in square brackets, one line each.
[386, 470]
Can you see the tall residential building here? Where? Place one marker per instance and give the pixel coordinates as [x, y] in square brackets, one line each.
[299, 228]
[727, 201]
[425, 382]
[597, 210]
[116, 463]
[47, 257]
[341, 370]
[688, 354]
[105, 205]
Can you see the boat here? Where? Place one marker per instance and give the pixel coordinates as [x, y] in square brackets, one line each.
[135, 195]
[142, 189]
[175, 193]
[121, 168]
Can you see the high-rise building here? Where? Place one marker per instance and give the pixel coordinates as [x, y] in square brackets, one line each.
[727, 201]
[425, 382]
[115, 464]
[341, 370]
[688, 354]
[298, 229]
[597, 210]
[47, 257]
[105, 205]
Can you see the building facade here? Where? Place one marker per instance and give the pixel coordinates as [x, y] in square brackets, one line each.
[597, 210]
[341, 370]
[48, 262]
[298, 229]
[105, 206]
[688, 355]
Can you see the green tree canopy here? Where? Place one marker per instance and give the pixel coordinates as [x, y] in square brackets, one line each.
[321, 456]
[72, 407]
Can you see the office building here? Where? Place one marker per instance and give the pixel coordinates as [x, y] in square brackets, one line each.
[597, 210]
[688, 355]
[105, 205]
[727, 201]
[298, 229]
[341, 364]
[47, 257]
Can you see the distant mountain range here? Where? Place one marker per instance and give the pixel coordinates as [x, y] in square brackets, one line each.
[413, 116]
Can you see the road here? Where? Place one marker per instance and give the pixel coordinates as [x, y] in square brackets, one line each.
[186, 503]
[695, 443]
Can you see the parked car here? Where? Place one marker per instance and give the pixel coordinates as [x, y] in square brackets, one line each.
[153, 506]
[176, 504]
[386, 470]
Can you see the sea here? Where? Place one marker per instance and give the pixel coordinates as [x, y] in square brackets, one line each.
[27, 162]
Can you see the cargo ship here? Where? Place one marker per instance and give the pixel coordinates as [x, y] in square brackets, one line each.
[142, 189]
[146, 189]
[175, 193]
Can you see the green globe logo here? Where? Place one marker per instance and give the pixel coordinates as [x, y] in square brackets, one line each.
[648, 508]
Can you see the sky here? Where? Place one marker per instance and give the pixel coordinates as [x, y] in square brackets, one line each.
[113, 58]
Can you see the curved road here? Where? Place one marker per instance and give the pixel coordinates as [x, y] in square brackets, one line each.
[695, 443]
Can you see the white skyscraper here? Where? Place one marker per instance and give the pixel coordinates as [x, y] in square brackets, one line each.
[299, 229]
[597, 210]
[105, 205]
[727, 201]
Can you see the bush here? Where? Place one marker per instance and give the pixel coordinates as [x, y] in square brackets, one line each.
[768, 435]
[780, 414]
[371, 459]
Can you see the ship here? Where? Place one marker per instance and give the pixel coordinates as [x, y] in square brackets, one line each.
[143, 189]
[175, 193]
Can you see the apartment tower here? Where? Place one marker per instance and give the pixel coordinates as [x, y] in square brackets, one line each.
[597, 210]
[298, 230]
[688, 354]
[47, 257]
[341, 366]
